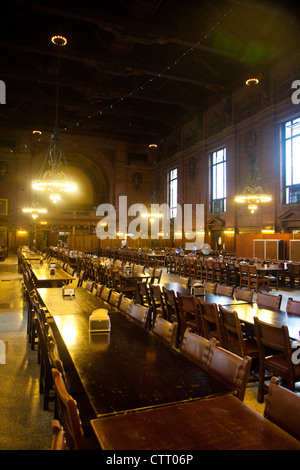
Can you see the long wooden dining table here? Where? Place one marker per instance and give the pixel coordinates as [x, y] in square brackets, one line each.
[128, 368]
[207, 296]
[43, 275]
[216, 423]
[247, 312]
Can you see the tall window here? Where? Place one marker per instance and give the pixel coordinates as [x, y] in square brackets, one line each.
[218, 180]
[291, 153]
[173, 192]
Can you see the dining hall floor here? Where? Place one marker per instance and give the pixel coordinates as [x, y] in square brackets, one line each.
[24, 423]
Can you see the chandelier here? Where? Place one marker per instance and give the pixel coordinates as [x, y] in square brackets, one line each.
[51, 177]
[253, 193]
[34, 210]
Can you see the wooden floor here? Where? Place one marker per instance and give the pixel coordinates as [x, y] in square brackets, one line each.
[24, 423]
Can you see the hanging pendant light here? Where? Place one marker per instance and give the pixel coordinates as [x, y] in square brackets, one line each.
[34, 210]
[253, 194]
[52, 177]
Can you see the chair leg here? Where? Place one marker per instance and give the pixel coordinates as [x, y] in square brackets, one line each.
[260, 393]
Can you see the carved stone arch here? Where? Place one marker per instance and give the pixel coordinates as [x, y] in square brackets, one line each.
[96, 172]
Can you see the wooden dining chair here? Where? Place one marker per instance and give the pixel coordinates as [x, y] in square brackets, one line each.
[283, 408]
[105, 293]
[143, 294]
[279, 362]
[81, 278]
[126, 288]
[140, 313]
[98, 290]
[189, 314]
[58, 436]
[235, 340]
[115, 299]
[45, 381]
[211, 321]
[230, 368]
[171, 304]
[196, 347]
[157, 301]
[210, 287]
[221, 289]
[69, 417]
[89, 285]
[244, 294]
[293, 306]
[157, 275]
[165, 330]
[269, 300]
[257, 279]
[125, 304]
[244, 275]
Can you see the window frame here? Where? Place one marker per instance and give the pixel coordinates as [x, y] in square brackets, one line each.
[171, 181]
[214, 182]
[296, 186]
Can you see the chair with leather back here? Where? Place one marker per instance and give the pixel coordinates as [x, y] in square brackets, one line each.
[210, 287]
[89, 285]
[211, 321]
[275, 339]
[293, 306]
[189, 314]
[125, 304]
[105, 293]
[221, 289]
[244, 294]
[115, 299]
[269, 300]
[165, 330]
[283, 408]
[231, 369]
[140, 313]
[196, 348]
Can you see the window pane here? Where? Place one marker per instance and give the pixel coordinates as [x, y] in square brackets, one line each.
[218, 180]
[173, 192]
[296, 160]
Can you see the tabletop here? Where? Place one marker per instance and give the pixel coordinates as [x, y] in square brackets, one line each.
[218, 423]
[42, 273]
[31, 256]
[207, 297]
[128, 368]
[84, 302]
[247, 312]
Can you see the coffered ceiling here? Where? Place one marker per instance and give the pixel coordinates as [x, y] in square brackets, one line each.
[134, 69]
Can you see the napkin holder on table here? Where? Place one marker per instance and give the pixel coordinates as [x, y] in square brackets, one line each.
[197, 289]
[68, 290]
[99, 321]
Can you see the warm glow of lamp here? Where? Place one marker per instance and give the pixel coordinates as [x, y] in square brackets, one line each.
[59, 40]
[252, 81]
